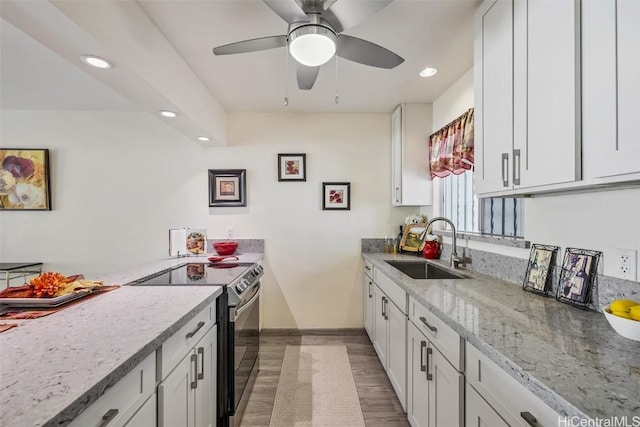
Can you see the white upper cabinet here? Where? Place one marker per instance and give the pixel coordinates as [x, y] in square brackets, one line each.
[410, 176]
[493, 84]
[527, 94]
[611, 87]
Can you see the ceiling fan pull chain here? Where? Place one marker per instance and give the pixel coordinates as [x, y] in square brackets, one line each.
[337, 99]
[286, 73]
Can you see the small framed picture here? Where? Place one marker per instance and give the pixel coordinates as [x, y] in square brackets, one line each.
[292, 167]
[227, 187]
[336, 196]
[539, 275]
[412, 237]
[577, 276]
[24, 179]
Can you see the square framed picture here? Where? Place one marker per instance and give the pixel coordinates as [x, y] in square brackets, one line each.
[292, 167]
[336, 196]
[227, 187]
[539, 275]
[24, 180]
[577, 276]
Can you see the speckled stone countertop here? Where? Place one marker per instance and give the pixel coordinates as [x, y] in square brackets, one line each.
[572, 359]
[54, 367]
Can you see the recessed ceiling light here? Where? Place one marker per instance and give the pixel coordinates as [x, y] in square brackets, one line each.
[95, 61]
[428, 72]
[204, 138]
[167, 113]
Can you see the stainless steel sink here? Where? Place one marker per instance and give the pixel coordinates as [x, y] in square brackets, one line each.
[423, 270]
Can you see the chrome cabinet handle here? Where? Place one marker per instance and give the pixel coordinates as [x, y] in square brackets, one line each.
[505, 169]
[386, 314]
[432, 328]
[529, 418]
[201, 373]
[367, 267]
[194, 360]
[108, 417]
[383, 313]
[429, 353]
[195, 331]
[397, 194]
[516, 167]
[370, 283]
[423, 345]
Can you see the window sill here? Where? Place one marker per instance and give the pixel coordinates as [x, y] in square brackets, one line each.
[514, 242]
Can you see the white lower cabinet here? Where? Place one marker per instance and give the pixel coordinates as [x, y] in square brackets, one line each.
[186, 397]
[434, 386]
[511, 400]
[146, 416]
[479, 413]
[367, 299]
[121, 403]
[389, 338]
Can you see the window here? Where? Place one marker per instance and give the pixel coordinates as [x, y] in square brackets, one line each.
[493, 215]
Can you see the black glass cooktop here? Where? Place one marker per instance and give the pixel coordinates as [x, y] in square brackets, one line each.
[196, 274]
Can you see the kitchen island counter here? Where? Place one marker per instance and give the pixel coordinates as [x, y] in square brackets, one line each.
[54, 367]
[570, 358]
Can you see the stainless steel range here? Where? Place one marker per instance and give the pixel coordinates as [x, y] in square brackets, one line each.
[238, 325]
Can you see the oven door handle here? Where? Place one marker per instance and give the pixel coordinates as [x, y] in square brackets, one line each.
[248, 303]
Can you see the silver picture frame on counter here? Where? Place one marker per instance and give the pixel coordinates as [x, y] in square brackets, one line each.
[577, 277]
[539, 275]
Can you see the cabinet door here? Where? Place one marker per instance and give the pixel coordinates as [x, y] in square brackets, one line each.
[176, 395]
[610, 39]
[479, 413]
[445, 391]
[397, 352]
[380, 327]
[546, 81]
[396, 156]
[205, 393]
[367, 305]
[493, 84]
[417, 384]
[146, 415]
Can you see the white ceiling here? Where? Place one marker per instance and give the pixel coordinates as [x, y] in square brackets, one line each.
[162, 55]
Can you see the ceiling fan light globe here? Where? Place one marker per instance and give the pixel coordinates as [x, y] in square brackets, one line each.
[312, 45]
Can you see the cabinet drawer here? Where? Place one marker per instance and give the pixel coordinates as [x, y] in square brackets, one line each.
[118, 404]
[440, 334]
[179, 344]
[368, 268]
[504, 393]
[393, 290]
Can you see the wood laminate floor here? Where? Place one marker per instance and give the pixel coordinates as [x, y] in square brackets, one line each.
[380, 405]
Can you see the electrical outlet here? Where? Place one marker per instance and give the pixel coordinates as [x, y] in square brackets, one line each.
[230, 232]
[627, 263]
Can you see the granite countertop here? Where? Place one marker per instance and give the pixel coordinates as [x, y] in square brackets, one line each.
[53, 367]
[572, 359]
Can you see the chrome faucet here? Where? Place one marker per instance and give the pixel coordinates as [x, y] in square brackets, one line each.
[455, 260]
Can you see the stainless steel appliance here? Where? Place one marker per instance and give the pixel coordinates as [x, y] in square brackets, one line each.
[238, 325]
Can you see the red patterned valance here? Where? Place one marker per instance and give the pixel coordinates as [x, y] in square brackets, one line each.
[451, 148]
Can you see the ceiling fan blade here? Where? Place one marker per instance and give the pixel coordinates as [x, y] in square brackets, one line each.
[253, 45]
[289, 10]
[344, 14]
[307, 76]
[367, 53]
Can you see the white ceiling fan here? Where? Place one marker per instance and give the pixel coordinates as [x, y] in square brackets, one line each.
[315, 35]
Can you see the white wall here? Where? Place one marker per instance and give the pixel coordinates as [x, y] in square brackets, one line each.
[600, 221]
[121, 180]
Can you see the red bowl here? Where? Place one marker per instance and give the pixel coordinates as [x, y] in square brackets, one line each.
[225, 248]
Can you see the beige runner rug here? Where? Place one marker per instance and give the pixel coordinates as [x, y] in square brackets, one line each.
[316, 389]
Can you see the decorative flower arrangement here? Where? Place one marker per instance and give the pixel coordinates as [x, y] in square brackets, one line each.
[415, 219]
[47, 284]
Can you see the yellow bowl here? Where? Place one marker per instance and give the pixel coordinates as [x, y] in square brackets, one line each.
[626, 327]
